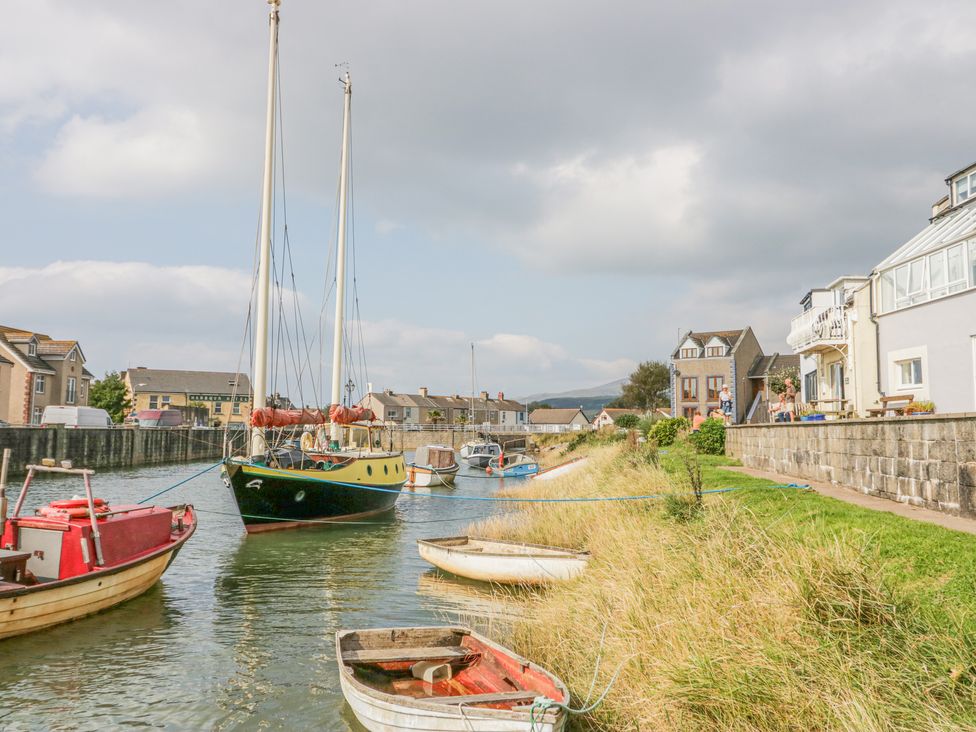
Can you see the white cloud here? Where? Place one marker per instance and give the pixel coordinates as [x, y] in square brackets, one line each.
[632, 211]
[192, 317]
[159, 150]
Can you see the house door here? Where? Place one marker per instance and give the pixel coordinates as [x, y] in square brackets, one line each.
[837, 380]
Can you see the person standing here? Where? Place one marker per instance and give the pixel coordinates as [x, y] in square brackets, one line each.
[725, 403]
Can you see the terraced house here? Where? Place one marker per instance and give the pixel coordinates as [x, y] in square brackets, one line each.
[925, 305]
[37, 371]
[225, 395]
[426, 408]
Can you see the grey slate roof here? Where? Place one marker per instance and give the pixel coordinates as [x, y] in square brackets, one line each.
[188, 382]
[765, 365]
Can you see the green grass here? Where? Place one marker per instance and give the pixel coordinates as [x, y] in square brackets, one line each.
[934, 565]
[767, 609]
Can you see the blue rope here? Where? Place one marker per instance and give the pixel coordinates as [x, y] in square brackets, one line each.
[182, 482]
[497, 499]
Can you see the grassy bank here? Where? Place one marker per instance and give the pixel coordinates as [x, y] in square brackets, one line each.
[767, 610]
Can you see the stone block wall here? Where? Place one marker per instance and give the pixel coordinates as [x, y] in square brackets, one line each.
[925, 461]
[109, 448]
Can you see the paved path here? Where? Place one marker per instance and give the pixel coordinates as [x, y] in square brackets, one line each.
[850, 495]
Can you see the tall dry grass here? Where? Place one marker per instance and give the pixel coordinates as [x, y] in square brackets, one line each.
[722, 624]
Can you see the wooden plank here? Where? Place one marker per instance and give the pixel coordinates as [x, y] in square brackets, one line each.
[500, 697]
[386, 655]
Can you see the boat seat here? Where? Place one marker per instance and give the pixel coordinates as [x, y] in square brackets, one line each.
[387, 655]
[495, 698]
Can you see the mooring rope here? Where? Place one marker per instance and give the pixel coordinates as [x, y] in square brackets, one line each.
[182, 482]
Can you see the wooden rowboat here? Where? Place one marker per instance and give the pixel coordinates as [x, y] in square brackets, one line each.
[503, 562]
[80, 556]
[444, 679]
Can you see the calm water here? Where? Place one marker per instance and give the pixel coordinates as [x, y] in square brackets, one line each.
[239, 634]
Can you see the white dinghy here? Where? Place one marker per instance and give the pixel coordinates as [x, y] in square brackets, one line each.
[445, 679]
[503, 562]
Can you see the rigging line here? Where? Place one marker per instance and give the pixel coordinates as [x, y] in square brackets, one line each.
[364, 381]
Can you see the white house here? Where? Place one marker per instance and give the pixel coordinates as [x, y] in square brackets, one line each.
[925, 305]
[608, 417]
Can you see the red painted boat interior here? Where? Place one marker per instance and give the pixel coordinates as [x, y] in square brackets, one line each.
[128, 533]
[483, 671]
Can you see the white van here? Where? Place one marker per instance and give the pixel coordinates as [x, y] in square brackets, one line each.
[75, 417]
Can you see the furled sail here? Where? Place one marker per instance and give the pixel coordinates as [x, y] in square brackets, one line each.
[347, 415]
[271, 417]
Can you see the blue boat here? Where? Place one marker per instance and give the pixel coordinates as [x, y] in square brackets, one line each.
[513, 466]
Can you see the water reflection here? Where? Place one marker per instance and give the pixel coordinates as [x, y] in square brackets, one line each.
[240, 632]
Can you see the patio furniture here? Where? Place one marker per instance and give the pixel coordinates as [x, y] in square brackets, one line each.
[894, 404]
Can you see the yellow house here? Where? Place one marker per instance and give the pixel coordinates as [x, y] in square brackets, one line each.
[225, 395]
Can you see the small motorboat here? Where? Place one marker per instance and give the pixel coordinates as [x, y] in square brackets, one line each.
[432, 465]
[444, 679]
[478, 453]
[502, 562]
[79, 556]
[512, 466]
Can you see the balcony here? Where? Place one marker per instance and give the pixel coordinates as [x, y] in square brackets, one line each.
[818, 329]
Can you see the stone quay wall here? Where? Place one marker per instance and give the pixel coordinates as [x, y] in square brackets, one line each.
[412, 439]
[111, 447]
[927, 461]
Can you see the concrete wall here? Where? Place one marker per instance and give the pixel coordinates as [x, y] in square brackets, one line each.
[412, 439]
[924, 461]
[109, 448]
[941, 332]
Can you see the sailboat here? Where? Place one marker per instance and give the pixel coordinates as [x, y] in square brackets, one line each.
[277, 486]
[479, 451]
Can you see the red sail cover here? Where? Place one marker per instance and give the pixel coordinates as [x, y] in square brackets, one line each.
[347, 415]
[271, 417]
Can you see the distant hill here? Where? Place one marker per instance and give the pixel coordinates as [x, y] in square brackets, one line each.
[591, 405]
[611, 391]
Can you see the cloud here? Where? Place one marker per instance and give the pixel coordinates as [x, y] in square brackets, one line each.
[129, 314]
[157, 151]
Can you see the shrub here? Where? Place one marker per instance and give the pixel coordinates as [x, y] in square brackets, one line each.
[682, 508]
[920, 407]
[710, 438]
[666, 431]
[627, 421]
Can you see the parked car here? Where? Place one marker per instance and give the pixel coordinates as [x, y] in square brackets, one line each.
[75, 417]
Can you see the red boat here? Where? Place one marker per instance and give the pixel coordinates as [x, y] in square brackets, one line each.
[79, 556]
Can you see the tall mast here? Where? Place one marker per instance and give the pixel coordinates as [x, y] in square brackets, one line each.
[472, 383]
[258, 443]
[336, 430]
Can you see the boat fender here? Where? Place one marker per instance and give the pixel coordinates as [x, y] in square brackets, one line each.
[488, 470]
[307, 442]
[431, 672]
[413, 474]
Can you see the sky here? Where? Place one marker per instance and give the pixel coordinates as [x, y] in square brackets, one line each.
[566, 185]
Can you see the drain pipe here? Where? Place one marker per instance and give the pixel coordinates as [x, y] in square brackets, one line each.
[877, 341]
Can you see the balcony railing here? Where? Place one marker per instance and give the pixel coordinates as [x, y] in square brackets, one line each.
[822, 326]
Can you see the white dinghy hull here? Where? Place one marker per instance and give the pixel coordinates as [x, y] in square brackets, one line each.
[502, 562]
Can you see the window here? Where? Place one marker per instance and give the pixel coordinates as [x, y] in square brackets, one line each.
[154, 402]
[713, 385]
[688, 353]
[965, 187]
[956, 264]
[391, 414]
[218, 407]
[32, 349]
[39, 384]
[972, 263]
[715, 351]
[810, 386]
[74, 355]
[689, 387]
[165, 399]
[237, 408]
[36, 416]
[909, 372]
[887, 281]
[69, 396]
[947, 271]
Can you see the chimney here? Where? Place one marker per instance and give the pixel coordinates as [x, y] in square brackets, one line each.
[423, 391]
[388, 392]
[369, 387]
[484, 396]
[501, 396]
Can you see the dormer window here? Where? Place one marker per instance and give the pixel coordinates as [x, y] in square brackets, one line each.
[715, 351]
[688, 353]
[964, 187]
[32, 349]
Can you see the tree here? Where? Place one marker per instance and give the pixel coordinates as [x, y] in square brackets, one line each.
[627, 421]
[649, 387]
[539, 405]
[435, 415]
[110, 394]
[461, 418]
[777, 380]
